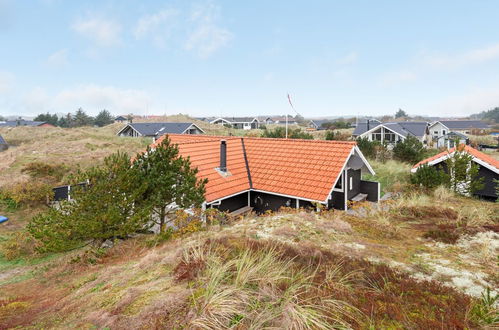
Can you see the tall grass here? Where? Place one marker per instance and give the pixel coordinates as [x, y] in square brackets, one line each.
[393, 175]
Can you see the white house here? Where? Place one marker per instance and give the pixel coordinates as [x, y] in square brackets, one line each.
[393, 133]
[237, 122]
[442, 127]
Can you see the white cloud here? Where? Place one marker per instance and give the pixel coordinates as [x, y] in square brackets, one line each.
[95, 97]
[350, 58]
[59, 59]
[158, 26]
[474, 56]
[6, 81]
[397, 77]
[206, 37]
[103, 32]
[92, 98]
[467, 103]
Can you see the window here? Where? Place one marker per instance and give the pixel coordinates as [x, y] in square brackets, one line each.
[339, 184]
[443, 132]
[351, 183]
[435, 132]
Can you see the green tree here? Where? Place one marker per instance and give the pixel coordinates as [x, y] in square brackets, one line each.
[103, 118]
[368, 148]
[2, 118]
[401, 113]
[429, 177]
[410, 150]
[171, 182]
[463, 173]
[111, 205]
[82, 119]
[280, 133]
[48, 118]
[66, 121]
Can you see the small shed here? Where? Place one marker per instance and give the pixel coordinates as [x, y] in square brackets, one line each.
[3, 144]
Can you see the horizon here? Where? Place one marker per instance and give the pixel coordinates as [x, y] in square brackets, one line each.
[210, 58]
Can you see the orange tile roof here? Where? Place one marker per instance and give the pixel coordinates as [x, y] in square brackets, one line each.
[472, 151]
[306, 169]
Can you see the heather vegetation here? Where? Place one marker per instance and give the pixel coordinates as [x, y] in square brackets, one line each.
[425, 258]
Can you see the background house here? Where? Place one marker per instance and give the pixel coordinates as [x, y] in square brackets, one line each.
[394, 132]
[488, 168]
[237, 122]
[451, 139]
[155, 130]
[317, 123]
[121, 119]
[442, 127]
[22, 122]
[267, 174]
[3, 144]
[280, 120]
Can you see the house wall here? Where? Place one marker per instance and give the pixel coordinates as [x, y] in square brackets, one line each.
[233, 203]
[262, 202]
[193, 130]
[353, 183]
[489, 189]
[3, 147]
[438, 130]
[370, 188]
[337, 201]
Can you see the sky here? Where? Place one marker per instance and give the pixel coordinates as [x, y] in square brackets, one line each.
[242, 58]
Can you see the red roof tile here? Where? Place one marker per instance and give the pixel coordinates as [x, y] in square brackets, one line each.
[472, 151]
[301, 168]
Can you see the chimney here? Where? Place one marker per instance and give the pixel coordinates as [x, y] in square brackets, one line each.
[223, 156]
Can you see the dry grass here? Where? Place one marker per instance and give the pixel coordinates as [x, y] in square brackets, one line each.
[73, 147]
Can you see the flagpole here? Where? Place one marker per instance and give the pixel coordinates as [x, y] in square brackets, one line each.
[286, 125]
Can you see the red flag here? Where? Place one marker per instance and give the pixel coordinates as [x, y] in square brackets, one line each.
[290, 103]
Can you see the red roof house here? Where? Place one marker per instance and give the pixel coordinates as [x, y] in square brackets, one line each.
[488, 167]
[266, 174]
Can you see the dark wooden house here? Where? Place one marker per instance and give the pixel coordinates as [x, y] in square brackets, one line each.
[3, 144]
[488, 168]
[267, 174]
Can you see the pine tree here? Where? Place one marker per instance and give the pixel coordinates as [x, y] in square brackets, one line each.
[103, 118]
[171, 182]
[111, 205]
[82, 119]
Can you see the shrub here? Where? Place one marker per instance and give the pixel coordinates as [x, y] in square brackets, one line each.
[410, 150]
[293, 133]
[19, 244]
[45, 171]
[429, 177]
[110, 206]
[29, 193]
[368, 148]
[444, 235]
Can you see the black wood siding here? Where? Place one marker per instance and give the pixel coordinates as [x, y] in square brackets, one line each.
[371, 189]
[355, 175]
[337, 201]
[489, 188]
[233, 203]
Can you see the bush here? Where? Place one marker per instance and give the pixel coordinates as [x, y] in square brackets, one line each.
[45, 171]
[411, 150]
[368, 148]
[29, 193]
[293, 133]
[18, 245]
[429, 177]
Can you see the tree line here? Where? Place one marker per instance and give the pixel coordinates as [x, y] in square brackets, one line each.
[79, 119]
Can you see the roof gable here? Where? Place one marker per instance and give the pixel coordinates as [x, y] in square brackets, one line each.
[306, 169]
[478, 156]
[155, 129]
[462, 124]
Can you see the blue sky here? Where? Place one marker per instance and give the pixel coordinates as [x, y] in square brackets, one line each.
[238, 58]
